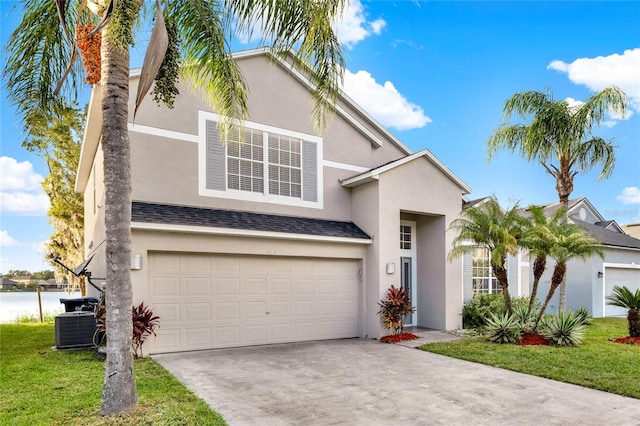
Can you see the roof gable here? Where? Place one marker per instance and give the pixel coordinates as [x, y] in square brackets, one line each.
[374, 174]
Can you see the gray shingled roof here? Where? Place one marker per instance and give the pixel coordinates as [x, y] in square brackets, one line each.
[608, 237]
[212, 218]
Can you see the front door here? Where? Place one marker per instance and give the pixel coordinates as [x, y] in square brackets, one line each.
[406, 281]
[408, 265]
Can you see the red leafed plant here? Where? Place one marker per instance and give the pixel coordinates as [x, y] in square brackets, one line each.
[144, 324]
[395, 309]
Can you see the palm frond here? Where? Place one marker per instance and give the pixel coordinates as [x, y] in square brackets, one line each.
[37, 57]
[203, 27]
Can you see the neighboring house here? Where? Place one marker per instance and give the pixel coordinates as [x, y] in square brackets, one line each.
[25, 279]
[8, 284]
[632, 229]
[287, 236]
[588, 282]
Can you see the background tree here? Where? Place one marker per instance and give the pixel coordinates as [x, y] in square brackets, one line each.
[56, 136]
[568, 241]
[488, 225]
[38, 53]
[560, 137]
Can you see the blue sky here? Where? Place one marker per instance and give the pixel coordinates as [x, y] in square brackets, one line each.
[437, 75]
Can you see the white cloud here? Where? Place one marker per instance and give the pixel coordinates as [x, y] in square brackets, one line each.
[354, 27]
[384, 102]
[7, 240]
[603, 71]
[20, 190]
[629, 195]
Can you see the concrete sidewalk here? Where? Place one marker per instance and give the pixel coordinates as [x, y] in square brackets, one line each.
[365, 382]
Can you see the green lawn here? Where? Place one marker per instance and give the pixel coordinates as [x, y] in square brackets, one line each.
[598, 363]
[41, 386]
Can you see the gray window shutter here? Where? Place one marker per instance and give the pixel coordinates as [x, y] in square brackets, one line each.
[309, 171]
[467, 276]
[216, 164]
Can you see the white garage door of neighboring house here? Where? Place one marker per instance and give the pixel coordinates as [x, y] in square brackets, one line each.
[629, 278]
[218, 301]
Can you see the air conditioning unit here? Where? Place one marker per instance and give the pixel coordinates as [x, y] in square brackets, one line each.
[75, 329]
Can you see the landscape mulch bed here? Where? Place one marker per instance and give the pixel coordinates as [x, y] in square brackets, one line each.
[628, 340]
[395, 338]
[532, 339]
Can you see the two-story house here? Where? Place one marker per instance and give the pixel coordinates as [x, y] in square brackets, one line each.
[278, 234]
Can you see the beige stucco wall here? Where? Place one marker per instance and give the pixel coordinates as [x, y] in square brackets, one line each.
[420, 189]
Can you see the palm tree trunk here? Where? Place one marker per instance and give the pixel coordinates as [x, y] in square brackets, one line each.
[539, 266]
[119, 394]
[633, 318]
[562, 303]
[564, 186]
[558, 275]
[501, 275]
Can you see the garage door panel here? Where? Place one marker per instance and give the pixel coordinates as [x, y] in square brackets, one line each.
[197, 286]
[169, 313]
[227, 336]
[165, 286]
[227, 311]
[255, 287]
[255, 334]
[196, 337]
[251, 300]
[197, 312]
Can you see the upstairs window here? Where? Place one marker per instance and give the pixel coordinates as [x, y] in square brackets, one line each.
[275, 164]
[405, 237]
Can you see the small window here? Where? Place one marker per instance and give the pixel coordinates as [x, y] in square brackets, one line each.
[405, 237]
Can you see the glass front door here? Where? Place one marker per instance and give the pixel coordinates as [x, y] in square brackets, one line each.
[406, 280]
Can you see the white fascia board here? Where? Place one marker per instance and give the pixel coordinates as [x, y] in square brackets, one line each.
[190, 229]
[90, 140]
[155, 131]
[631, 265]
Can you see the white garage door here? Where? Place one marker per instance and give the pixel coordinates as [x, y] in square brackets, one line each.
[219, 301]
[629, 278]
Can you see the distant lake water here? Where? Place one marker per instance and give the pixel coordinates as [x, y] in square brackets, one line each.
[14, 304]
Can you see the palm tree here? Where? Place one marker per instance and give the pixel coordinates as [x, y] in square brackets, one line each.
[560, 133]
[622, 297]
[40, 49]
[489, 226]
[568, 241]
[536, 239]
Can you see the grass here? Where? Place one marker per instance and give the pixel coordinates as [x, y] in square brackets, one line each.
[597, 363]
[41, 386]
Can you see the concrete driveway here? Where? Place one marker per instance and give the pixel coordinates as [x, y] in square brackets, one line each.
[365, 382]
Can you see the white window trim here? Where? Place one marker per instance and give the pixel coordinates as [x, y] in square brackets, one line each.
[204, 116]
[412, 254]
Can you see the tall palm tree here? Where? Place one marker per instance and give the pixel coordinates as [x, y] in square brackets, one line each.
[560, 136]
[490, 226]
[622, 297]
[536, 239]
[40, 49]
[568, 241]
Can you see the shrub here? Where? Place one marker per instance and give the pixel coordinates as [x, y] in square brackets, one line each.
[585, 315]
[476, 312]
[144, 324]
[525, 318]
[503, 328]
[395, 309]
[564, 329]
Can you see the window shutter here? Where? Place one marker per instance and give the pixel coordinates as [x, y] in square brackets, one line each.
[309, 171]
[216, 164]
[467, 276]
